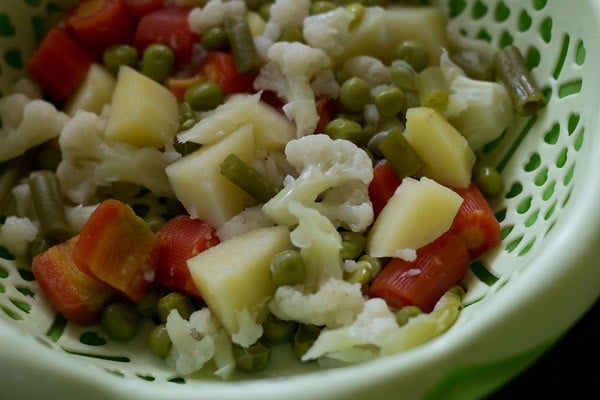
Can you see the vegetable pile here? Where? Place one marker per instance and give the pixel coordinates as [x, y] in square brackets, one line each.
[308, 172]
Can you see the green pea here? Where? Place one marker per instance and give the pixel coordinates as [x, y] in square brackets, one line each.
[403, 75]
[361, 274]
[342, 128]
[353, 244]
[174, 301]
[413, 52]
[406, 313]
[278, 331]
[215, 38]
[320, 7]
[489, 181]
[204, 96]
[146, 306]
[157, 62]
[120, 320]
[290, 34]
[159, 341]
[120, 54]
[287, 268]
[253, 358]
[389, 101]
[355, 94]
[304, 338]
[374, 264]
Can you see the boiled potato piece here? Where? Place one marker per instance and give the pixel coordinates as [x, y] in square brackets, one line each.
[419, 212]
[234, 275]
[198, 184]
[143, 112]
[447, 156]
[271, 129]
[93, 93]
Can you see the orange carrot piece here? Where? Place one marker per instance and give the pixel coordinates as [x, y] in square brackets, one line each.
[384, 184]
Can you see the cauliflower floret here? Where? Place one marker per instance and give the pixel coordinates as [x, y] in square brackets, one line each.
[289, 72]
[335, 304]
[197, 342]
[16, 233]
[27, 123]
[90, 161]
[213, 14]
[371, 69]
[375, 331]
[248, 220]
[328, 31]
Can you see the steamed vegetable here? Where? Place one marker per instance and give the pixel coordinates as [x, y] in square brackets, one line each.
[93, 93]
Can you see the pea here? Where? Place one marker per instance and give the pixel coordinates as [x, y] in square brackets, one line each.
[278, 331]
[120, 320]
[117, 55]
[320, 7]
[342, 128]
[204, 96]
[215, 38]
[159, 341]
[355, 94]
[406, 313]
[287, 268]
[146, 306]
[489, 181]
[253, 358]
[403, 75]
[290, 34]
[374, 264]
[157, 62]
[304, 338]
[389, 101]
[353, 244]
[174, 301]
[362, 274]
[413, 52]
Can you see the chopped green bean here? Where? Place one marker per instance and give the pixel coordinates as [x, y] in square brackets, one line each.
[120, 320]
[512, 70]
[355, 94]
[174, 301]
[353, 244]
[287, 268]
[204, 96]
[400, 154]
[215, 38]
[120, 54]
[159, 341]
[278, 331]
[242, 45]
[404, 314]
[49, 207]
[413, 52]
[248, 178]
[304, 338]
[389, 101]
[157, 61]
[14, 170]
[253, 358]
[432, 88]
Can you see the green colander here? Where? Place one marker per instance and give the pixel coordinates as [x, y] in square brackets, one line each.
[520, 300]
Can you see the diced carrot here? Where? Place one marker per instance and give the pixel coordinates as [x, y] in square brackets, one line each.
[168, 26]
[324, 111]
[475, 222]
[219, 67]
[114, 247]
[139, 8]
[98, 24]
[439, 265]
[384, 184]
[77, 296]
[59, 64]
[180, 239]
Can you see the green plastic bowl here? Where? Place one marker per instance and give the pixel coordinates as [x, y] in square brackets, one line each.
[520, 300]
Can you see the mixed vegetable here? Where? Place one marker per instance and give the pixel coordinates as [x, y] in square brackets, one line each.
[307, 172]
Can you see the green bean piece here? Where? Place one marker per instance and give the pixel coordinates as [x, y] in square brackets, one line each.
[389, 101]
[400, 154]
[287, 268]
[413, 52]
[13, 171]
[159, 341]
[157, 62]
[215, 38]
[147, 305]
[120, 320]
[488, 180]
[353, 244]
[474, 66]
[119, 54]
[432, 88]
[248, 178]
[403, 75]
[204, 96]
[355, 94]
[321, 7]
[361, 274]
[174, 301]
[404, 314]
[49, 207]
[289, 34]
[343, 128]
[512, 70]
[242, 45]
[304, 338]
[253, 358]
[277, 331]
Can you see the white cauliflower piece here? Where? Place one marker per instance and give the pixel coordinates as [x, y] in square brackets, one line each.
[335, 304]
[249, 329]
[89, 161]
[328, 31]
[248, 220]
[214, 13]
[479, 110]
[27, 123]
[78, 215]
[289, 72]
[16, 233]
[197, 342]
[371, 69]
[376, 333]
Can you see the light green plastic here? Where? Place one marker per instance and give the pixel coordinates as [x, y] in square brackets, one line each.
[523, 297]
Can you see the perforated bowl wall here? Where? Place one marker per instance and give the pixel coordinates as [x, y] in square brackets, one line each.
[520, 298]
